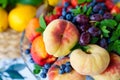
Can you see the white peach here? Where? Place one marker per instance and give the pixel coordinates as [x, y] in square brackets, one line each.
[92, 62]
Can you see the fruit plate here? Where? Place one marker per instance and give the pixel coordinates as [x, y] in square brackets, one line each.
[24, 44]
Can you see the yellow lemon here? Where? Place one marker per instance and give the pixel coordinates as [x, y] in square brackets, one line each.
[3, 20]
[53, 2]
[118, 4]
[20, 16]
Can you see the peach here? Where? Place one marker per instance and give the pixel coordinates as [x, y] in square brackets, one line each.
[92, 62]
[30, 31]
[53, 73]
[38, 52]
[60, 36]
[113, 70]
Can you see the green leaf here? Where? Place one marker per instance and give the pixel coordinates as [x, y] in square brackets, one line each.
[40, 29]
[3, 3]
[37, 69]
[84, 9]
[30, 2]
[85, 48]
[109, 23]
[77, 11]
[17, 67]
[97, 24]
[88, 0]
[14, 74]
[89, 11]
[94, 40]
[81, 1]
[104, 30]
[115, 34]
[42, 22]
[117, 17]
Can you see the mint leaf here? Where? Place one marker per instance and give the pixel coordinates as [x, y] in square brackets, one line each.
[84, 9]
[37, 69]
[109, 23]
[89, 11]
[115, 46]
[88, 0]
[94, 40]
[81, 1]
[42, 22]
[116, 34]
[3, 3]
[104, 30]
[40, 29]
[117, 17]
[77, 11]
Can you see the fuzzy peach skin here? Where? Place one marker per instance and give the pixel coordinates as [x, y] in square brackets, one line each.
[92, 62]
[30, 31]
[38, 52]
[53, 73]
[59, 37]
[113, 70]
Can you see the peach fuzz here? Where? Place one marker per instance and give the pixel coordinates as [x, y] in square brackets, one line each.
[92, 62]
[30, 31]
[38, 52]
[113, 70]
[53, 73]
[60, 37]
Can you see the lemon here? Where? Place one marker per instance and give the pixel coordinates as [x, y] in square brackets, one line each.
[3, 20]
[53, 2]
[20, 16]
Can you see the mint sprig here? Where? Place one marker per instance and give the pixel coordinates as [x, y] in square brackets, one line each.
[42, 24]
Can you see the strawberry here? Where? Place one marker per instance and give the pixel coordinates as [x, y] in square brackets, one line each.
[58, 10]
[109, 4]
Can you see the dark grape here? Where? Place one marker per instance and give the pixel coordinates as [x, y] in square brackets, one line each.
[108, 16]
[84, 38]
[94, 31]
[96, 17]
[84, 27]
[82, 19]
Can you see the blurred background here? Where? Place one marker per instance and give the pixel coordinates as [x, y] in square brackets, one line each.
[14, 17]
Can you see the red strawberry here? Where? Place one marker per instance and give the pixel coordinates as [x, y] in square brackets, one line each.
[109, 4]
[58, 10]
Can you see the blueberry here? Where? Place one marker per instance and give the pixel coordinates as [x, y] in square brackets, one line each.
[96, 8]
[68, 69]
[101, 12]
[96, 17]
[92, 4]
[44, 70]
[68, 64]
[61, 71]
[69, 17]
[31, 60]
[43, 75]
[66, 4]
[47, 66]
[64, 9]
[89, 78]
[27, 51]
[62, 66]
[64, 13]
